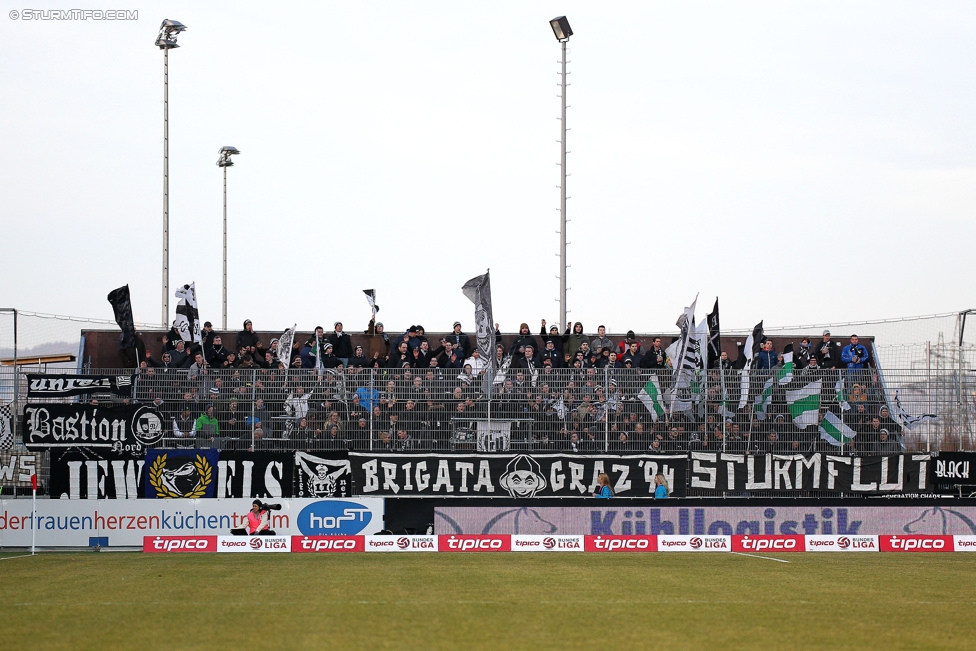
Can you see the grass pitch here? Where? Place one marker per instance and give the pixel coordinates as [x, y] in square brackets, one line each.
[488, 601]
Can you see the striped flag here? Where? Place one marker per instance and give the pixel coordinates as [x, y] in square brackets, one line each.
[750, 350]
[478, 291]
[834, 431]
[763, 400]
[187, 315]
[840, 394]
[907, 421]
[785, 374]
[650, 395]
[6, 431]
[804, 404]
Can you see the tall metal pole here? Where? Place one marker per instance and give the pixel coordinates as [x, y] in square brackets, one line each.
[224, 326]
[562, 194]
[165, 319]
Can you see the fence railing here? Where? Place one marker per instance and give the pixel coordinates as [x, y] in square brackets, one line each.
[585, 410]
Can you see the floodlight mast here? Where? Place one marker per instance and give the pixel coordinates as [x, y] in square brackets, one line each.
[169, 30]
[224, 162]
[562, 31]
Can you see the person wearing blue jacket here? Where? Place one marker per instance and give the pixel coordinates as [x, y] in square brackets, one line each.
[767, 358]
[854, 354]
[660, 487]
[604, 491]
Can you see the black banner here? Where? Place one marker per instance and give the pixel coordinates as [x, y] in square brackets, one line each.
[255, 474]
[65, 386]
[953, 468]
[513, 475]
[96, 475]
[121, 429]
[16, 468]
[322, 474]
[897, 473]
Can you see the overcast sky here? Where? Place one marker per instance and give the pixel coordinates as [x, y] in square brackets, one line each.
[807, 162]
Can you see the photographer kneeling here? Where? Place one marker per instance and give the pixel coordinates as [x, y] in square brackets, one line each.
[258, 520]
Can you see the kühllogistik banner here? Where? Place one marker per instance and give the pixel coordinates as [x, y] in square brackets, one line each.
[508, 475]
[78, 523]
[605, 518]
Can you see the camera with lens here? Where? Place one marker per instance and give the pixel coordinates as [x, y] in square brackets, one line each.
[269, 507]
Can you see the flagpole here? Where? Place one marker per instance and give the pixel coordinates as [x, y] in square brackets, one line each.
[33, 513]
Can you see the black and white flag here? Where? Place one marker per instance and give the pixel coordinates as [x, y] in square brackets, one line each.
[318, 476]
[187, 315]
[6, 429]
[478, 291]
[714, 337]
[371, 299]
[122, 306]
[285, 342]
[750, 350]
[685, 361]
[908, 421]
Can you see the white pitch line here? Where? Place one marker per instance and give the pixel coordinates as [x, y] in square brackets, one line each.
[768, 558]
[7, 558]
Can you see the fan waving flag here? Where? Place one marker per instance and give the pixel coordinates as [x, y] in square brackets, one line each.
[751, 349]
[371, 299]
[285, 342]
[909, 422]
[834, 431]
[650, 396]
[478, 291]
[804, 404]
[187, 315]
[714, 336]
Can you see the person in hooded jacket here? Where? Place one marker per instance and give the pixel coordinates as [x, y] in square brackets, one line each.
[517, 349]
[573, 341]
[379, 341]
[557, 339]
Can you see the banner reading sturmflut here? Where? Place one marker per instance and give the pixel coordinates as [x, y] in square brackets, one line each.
[512, 475]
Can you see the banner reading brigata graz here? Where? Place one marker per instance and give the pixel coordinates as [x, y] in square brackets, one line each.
[511, 475]
[898, 473]
[65, 386]
[125, 428]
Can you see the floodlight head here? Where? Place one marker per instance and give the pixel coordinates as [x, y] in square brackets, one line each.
[225, 154]
[561, 28]
[168, 31]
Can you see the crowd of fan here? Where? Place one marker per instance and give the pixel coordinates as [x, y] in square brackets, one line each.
[563, 391]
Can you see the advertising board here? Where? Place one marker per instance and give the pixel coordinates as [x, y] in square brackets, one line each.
[72, 523]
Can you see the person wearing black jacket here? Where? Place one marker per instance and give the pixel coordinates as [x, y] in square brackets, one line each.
[554, 356]
[216, 353]
[828, 352]
[446, 356]
[400, 356]
[557, 339]
[247, 338]
[341, 344]
[460, 341]
[655, 358]
[518, 346]
[329, 360]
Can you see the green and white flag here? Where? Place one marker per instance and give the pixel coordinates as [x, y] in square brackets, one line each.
[834, 431]
[841, 393]
[785, 374]
[763, 399]
[804, 404]
[650, 395]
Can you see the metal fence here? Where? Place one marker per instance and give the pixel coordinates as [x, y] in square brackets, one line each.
[584, 410]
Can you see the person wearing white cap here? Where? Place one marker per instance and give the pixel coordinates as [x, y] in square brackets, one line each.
[460, 341]
[828, 352]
